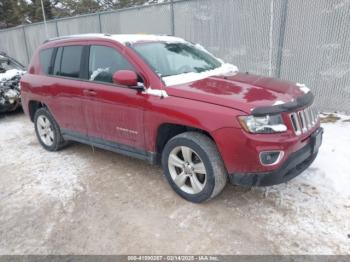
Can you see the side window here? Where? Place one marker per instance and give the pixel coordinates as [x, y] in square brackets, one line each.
[45, 60]
[71, 59]
[104, 62]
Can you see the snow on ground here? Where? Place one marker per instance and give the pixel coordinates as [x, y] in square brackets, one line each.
[317, 203]
[79, 201]
[331, 169]
[54, 177]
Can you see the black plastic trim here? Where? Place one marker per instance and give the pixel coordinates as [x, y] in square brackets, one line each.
[302, 101]
[52, 60]
[151, 157]
[84, 65]
[10, 107]
[292, 167]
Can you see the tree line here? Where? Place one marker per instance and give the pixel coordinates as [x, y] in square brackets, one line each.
[19, 12]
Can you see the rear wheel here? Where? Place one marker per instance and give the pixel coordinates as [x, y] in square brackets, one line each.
[193, 167]
[47, 130]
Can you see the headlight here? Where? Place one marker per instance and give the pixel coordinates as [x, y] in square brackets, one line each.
[263, 124]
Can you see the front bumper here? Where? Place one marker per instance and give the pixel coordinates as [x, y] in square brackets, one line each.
[292, 167]
[8, 107]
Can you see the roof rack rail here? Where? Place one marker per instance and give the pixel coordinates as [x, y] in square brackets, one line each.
[75, 36]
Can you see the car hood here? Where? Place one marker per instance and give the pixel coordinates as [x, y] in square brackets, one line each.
[241, 91]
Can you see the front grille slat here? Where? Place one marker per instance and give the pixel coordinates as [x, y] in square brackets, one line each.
[304, 120]
[313, 116]
[308, 119]
[295, 123]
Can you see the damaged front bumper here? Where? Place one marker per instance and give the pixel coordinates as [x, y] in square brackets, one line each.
[10, 93]
[292, 167]
[10, 90]
[10, 105]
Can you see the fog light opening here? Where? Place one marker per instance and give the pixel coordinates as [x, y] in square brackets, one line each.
[269, 158]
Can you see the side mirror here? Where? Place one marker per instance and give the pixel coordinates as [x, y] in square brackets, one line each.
[125, 78]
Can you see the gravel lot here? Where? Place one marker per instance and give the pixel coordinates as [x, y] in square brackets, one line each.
[85, 201]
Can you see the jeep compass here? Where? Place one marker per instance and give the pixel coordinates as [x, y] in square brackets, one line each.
[171, 102]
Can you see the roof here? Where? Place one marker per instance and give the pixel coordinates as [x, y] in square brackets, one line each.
[124, 38]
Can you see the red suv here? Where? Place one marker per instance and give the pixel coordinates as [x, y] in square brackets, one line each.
[171, 102]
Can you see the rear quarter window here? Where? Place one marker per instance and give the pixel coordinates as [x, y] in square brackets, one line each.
[45, 60]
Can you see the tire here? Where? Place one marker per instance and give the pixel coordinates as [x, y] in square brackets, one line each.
[183, 177]
[45, 123]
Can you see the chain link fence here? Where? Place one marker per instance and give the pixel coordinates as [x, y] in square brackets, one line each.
[303, 41]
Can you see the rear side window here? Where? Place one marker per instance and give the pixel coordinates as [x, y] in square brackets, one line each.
[70, 61]
[104, 62]
[45, 60]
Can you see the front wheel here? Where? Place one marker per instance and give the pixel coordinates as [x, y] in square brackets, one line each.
[193, 167]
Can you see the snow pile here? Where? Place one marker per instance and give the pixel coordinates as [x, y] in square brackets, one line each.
[10, 90]
[129, 38]
[303, 88]
[225, 69]
[134, 38]
[97, 72]
[10, 74]
[151, 2]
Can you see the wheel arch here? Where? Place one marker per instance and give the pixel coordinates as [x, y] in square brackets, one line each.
[33, 106]
[167, 131]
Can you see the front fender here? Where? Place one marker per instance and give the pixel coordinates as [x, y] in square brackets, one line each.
[185, 112]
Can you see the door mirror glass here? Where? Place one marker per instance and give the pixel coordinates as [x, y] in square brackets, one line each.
[125, 77]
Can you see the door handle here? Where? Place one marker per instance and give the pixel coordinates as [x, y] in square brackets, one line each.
[89, 92]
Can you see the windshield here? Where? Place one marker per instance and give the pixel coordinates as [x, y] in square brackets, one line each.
[168, 59]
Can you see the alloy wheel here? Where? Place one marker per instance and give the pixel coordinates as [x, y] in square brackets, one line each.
[187, 169]
[45, 130]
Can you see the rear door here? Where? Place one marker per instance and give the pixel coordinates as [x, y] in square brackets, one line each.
[114, 112]
[68, 89]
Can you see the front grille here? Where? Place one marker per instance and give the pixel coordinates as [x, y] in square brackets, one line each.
[304, 120]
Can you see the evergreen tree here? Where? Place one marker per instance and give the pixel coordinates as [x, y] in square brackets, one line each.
[35, 13]
[17, 12]
[12, 13]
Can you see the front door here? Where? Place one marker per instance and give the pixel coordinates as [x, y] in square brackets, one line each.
[113, 112]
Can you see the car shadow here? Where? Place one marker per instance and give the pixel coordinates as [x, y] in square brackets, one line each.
[16, 112]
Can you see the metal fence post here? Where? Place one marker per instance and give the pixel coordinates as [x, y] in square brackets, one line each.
[172, 17]
[99, 22]
[281, 38]
[26, 44]
[57, 32]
